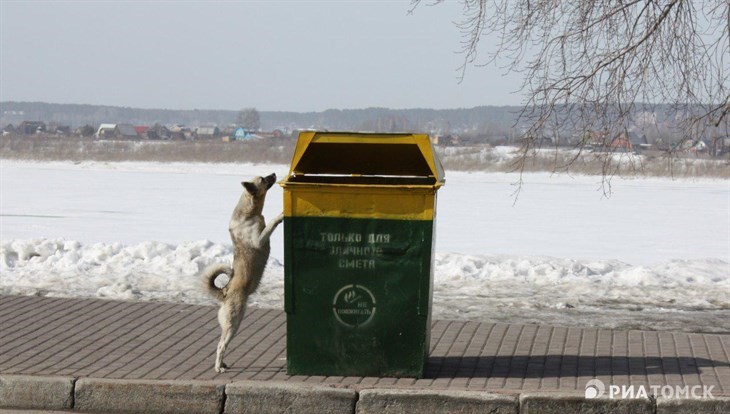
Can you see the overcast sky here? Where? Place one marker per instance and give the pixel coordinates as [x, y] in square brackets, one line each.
[286, 55]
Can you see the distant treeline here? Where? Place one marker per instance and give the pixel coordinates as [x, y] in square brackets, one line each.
[497, 122]
[485, 119]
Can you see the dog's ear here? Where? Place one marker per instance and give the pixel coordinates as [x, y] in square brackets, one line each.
[250, 187]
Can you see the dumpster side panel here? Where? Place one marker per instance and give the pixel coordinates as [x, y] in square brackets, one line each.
[357, 295]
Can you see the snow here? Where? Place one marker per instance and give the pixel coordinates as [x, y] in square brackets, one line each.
[655, 255]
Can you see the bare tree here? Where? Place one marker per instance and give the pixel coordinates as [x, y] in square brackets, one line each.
[590, 65]
[249, 119]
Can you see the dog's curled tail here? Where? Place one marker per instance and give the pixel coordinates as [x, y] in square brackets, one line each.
[209, 275]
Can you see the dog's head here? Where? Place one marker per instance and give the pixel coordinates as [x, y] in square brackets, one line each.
[259, 185]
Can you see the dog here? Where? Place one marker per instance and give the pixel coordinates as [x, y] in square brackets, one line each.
[250, 236]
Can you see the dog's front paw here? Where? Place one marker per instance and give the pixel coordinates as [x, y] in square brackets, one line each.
[221, 369]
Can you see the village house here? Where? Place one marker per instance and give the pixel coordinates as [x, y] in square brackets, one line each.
[639, 142]
[158, 131]
[180, 132]
[60, 130]
[105, 131]
[241, 134]
[141, 131]
[31, 127]
[623, 142]
[208, 132]
[116, 131]
[227, 133]
[126, 131]
[620, 143]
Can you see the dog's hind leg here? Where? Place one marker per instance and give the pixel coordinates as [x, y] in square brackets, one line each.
[226, 337]
[229, 318]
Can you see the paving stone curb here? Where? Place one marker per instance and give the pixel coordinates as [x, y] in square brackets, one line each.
[715, 405]
[41, 393]
[262, 397]
[387, 401]
[577, 403]
[23, 393]
[148, 396]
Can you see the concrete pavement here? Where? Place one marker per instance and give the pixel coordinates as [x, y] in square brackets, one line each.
[99, 351]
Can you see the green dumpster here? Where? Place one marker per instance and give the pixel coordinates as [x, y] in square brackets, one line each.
[358, 249]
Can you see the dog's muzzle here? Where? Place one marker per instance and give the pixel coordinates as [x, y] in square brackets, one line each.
[270, 180]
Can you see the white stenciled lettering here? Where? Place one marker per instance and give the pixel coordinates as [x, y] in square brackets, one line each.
[355, 251]
[356, 264]
[377, 238]
[341, 237]
[354, 311]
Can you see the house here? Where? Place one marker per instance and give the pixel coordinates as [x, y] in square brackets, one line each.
[228, 131]
[158, 132]
[639, 142]
[105, 131]
[181, 132]
[691, 146]
[125, 131]
[208, 132]
[31, 127]
[116, 131]
[620, 143]
[241, 134]
[141, 131]
[59, 129]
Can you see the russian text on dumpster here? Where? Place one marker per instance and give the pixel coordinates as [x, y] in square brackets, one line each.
[355, 250]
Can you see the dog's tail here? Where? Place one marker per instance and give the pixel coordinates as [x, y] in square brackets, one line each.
[209, 275]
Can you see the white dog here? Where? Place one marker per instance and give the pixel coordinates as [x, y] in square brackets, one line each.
[250, 236]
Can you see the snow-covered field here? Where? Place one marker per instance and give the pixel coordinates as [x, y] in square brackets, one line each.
[654, 255]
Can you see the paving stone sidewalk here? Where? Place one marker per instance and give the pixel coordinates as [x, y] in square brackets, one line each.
[167, 341]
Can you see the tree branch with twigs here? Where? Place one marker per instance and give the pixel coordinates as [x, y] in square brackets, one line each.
[590, 66]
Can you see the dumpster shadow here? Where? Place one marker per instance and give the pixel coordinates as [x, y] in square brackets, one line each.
[557, 366]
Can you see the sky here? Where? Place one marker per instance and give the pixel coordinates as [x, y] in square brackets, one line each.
[272, 55]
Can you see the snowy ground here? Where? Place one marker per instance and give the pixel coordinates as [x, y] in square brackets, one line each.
[655, 255]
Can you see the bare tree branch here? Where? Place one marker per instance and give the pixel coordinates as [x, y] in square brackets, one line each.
[591, 67]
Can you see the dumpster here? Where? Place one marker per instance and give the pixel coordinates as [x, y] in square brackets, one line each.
[358, 249]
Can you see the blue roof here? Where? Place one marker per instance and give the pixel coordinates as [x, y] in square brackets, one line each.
[241, 133]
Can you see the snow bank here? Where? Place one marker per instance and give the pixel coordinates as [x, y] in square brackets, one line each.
[471, 287]
[544, 282]
[147, 271]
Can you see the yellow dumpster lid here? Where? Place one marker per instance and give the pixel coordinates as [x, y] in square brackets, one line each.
[366, 154]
